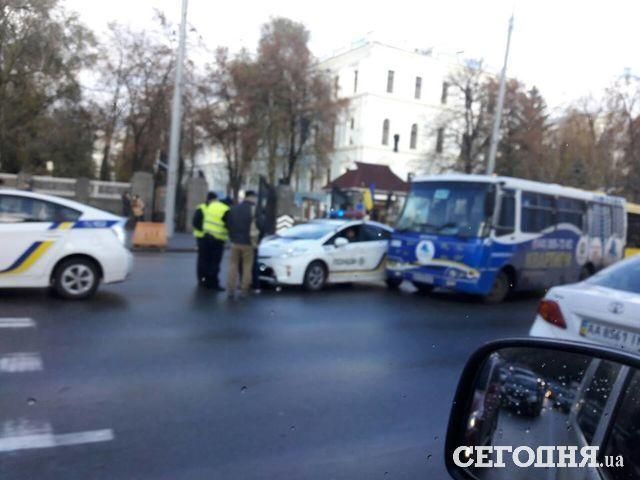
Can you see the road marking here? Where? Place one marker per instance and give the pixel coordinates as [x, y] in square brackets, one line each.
[17, 323]
[27, 435]
[20, 362]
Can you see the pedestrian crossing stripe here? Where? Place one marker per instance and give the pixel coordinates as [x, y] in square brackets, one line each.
[30, 256]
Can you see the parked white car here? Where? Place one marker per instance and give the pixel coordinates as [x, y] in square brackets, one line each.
[603, 309]
[47, 241]
[325, 251]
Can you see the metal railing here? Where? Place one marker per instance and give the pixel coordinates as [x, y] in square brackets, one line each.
[107, 190]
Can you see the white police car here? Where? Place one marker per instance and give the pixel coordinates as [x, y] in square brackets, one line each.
[47, 241]
[325, 251]
[604, 308]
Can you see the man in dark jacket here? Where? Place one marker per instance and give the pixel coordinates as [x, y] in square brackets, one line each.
[202, 267]
[243, 235]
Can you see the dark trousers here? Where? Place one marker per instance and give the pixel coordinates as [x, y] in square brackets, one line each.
[201, 269]
[209, 257]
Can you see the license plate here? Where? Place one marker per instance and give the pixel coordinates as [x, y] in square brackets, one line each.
[617, 337]
[423, 278]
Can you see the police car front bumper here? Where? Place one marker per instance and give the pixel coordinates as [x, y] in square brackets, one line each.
[281, 271]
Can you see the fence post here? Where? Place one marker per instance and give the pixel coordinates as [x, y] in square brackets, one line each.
[196, 194]
[83, 190]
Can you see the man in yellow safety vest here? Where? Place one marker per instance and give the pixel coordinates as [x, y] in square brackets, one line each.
[198, 233]
[215, 237]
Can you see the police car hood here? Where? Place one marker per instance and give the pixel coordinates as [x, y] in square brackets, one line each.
[276, 246]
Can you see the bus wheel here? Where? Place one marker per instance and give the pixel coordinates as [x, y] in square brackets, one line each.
[423, 288]
[499, 290]
[393, 283]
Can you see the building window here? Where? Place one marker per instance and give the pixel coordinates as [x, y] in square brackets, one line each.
[353, 123]
[445, 92]
[390, 75]
[355, 81]
[440, 140]
[396, 141]
[414, 136]
[385, 132]
[418, 92]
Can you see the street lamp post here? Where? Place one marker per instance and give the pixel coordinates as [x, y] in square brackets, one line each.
[495, 134]
[174, 139]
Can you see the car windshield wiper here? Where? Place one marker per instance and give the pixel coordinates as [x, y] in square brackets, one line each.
[446, 225]
[427, 225]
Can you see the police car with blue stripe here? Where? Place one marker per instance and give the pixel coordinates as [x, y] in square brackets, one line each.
[47, 241]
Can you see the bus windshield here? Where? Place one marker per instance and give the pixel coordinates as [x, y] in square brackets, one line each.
[445, 208]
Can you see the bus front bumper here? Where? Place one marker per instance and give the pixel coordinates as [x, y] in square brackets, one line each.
[450, 278]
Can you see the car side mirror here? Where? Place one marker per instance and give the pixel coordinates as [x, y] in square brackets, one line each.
[340, 242]
[535, 408]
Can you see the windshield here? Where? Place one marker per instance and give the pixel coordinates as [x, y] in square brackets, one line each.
[308, 231]
[447, 208]
[622, 276]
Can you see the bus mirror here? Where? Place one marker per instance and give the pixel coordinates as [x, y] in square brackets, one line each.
[489, 204]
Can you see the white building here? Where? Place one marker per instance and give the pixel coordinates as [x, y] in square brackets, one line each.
[396, 98]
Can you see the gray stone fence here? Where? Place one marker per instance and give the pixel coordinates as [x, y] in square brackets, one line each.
[97, 193]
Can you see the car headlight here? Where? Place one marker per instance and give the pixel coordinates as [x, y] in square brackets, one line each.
[118, 231]
[294, 251]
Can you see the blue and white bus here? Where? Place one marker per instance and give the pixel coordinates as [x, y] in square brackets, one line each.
[490, 235]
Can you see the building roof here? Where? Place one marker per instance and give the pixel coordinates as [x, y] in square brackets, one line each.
[366, 175]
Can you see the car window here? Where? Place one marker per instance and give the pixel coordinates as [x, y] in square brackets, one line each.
[18, 209]
[596, 395]
[370, 233]
[351, 233]
[307, 231]
[625, 434]
[623, 276]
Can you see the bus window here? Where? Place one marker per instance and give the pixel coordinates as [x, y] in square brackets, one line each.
[571, 211]
[507, 214]
[537, 212]
[618, 221]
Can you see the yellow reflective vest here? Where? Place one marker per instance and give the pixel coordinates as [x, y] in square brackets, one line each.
[200, 233]
[213, 220]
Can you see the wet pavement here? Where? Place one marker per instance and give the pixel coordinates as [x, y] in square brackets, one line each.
[156, 379]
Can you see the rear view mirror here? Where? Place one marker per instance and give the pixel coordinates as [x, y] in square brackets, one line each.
[490, 203]
[340, 242]
[543, 409]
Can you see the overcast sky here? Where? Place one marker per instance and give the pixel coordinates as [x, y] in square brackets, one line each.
[568, 48]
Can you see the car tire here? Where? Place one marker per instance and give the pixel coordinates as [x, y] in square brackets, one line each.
[315, 276]
[499, 290]
[393, 283]
[76, 279]
[423, 288]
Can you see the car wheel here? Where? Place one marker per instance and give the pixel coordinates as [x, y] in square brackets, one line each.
[76, 279]
[423, 288]
[315, 276]
[393, 283]
[499, 290]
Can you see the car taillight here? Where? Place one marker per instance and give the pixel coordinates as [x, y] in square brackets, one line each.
[550, 312]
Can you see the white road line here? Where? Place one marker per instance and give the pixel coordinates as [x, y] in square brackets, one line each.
[20, 362]
[17, 323]
[49, 440]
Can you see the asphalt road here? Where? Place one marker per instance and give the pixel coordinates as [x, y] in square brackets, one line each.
[155, 379]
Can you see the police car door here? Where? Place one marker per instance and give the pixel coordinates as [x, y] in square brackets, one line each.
[344, 258]
[374, 243]
[30, 235]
